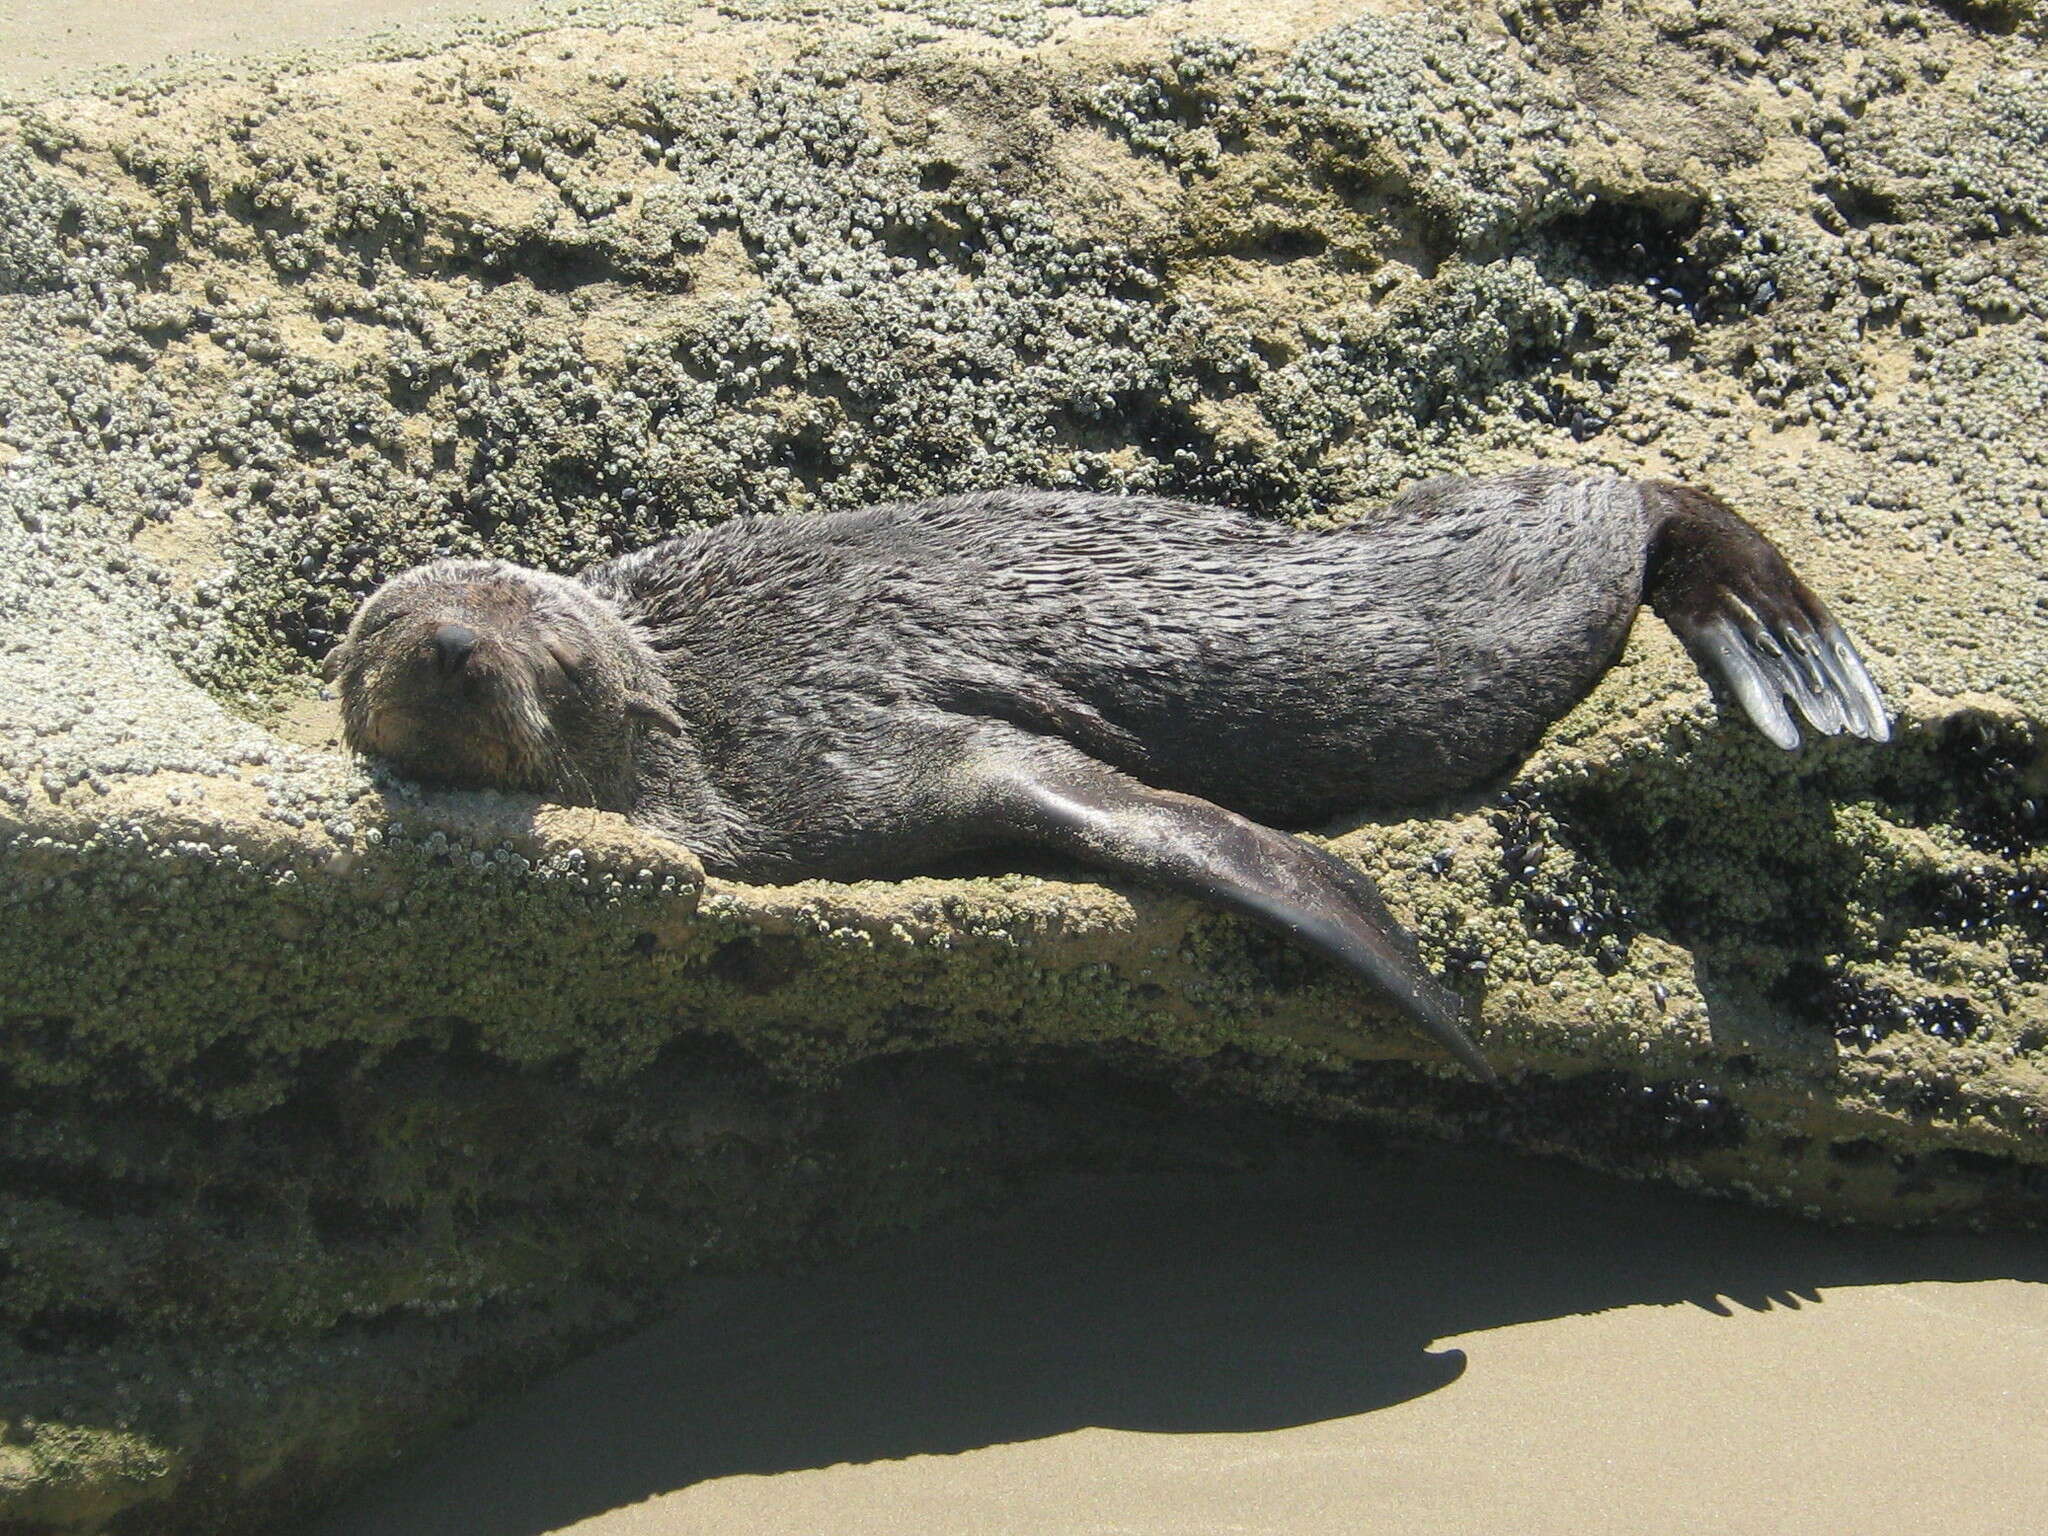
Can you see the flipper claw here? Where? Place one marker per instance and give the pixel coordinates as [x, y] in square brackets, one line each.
[1870, 719]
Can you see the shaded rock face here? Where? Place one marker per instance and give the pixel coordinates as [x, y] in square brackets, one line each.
[328, 1105]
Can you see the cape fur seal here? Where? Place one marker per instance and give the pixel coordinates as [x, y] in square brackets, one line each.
[852, 693]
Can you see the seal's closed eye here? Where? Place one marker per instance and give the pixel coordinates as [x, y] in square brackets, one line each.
[376, 621]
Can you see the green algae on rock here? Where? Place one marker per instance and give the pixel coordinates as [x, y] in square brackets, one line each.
[332, 1105]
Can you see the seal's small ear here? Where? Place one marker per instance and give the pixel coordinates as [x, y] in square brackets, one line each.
[651, 711]
[331, 667]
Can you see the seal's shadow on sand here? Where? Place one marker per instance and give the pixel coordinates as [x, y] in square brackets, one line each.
[1157, 1303]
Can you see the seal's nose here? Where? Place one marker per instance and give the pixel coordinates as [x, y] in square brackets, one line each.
[452, 645]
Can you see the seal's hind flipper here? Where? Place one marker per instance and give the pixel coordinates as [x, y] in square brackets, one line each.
[1047, 793]
[1749, 620]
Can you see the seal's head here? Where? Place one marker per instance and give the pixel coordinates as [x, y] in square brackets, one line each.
[482, 674]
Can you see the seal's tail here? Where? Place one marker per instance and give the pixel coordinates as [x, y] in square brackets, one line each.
[1748, 619]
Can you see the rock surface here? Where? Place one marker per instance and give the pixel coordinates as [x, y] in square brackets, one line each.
[330, 1105]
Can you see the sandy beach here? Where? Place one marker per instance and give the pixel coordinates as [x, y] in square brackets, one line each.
[1425, 1343]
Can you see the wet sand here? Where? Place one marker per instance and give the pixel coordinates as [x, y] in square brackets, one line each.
[1446, 1343]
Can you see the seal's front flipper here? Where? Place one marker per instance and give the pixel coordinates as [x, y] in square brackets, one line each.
[1748, 619]
[1046, 793]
